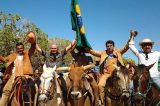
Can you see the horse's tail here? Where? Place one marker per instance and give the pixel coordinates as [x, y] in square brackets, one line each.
[64, 89]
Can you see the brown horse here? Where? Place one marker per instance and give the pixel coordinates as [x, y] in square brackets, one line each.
[117, 88]
[24, 92]
[145, 92]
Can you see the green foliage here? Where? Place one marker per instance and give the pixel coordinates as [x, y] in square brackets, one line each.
[7, 40]
[128, 60]
[12, 31]
[14, 28]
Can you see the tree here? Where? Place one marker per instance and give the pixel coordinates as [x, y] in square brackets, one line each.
[14, 29]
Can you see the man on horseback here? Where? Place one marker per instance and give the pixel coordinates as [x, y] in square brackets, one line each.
[108, 57]
[147, 57]
[54, 57]
[18, 64]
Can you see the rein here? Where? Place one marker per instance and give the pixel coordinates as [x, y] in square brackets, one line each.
[113, 97]
[20, 87]
[42, 89]
[143, 95]
[116, 97]
[146, 92]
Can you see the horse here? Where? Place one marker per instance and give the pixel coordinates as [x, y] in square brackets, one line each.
[117, 87]
[145, 93]
[24, 92]
[48, 88]
[79, 90]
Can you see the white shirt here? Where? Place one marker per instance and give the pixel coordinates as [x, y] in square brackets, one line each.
[19, 58]
[153, 57]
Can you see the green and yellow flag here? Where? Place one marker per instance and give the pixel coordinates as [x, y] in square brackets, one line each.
[77, 25]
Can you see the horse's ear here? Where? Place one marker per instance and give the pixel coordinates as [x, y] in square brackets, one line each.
[115, 66]
[127, 66]
[44, 67]
[54, 68]
[150, 66]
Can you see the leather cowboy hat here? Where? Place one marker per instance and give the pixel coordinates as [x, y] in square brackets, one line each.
[31, 37]
[146, 40]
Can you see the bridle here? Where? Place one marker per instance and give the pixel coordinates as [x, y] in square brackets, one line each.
[140, 94]
[42, 90]
[22, 86]
[118, 96]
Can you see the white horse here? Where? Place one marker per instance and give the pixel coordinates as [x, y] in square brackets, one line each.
[49, 87]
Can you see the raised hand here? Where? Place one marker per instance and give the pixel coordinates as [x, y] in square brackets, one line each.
[134, 33]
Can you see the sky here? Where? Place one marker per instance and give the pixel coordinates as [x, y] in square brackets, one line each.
[103, 19]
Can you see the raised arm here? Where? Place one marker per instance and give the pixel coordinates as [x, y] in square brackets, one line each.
[32, 49]
[126, 47]
[38, 48]
[2, 59]
[131, 43]
[71, 46]
[93, 52]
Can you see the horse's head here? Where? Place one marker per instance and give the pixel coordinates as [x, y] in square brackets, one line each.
[142, 82]
[119, 81]
[25, 91]
[47, 80]
[77, 79]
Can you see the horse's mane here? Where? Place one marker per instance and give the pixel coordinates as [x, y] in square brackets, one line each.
[29, 83]
[122, 70]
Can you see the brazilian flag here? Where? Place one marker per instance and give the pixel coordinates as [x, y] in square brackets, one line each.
[77, 25]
